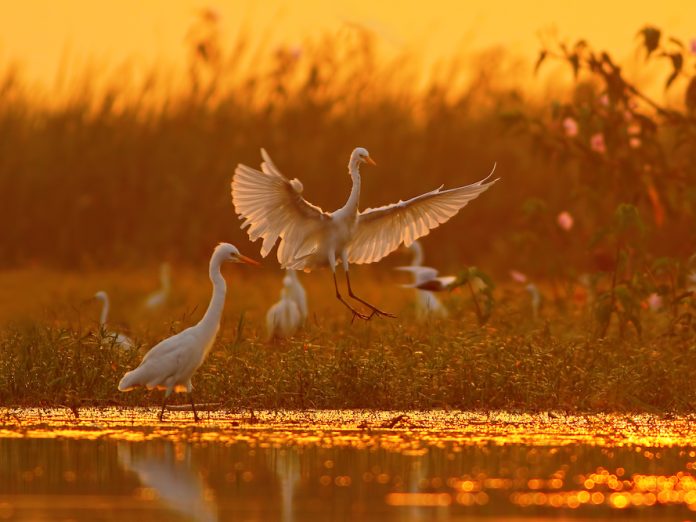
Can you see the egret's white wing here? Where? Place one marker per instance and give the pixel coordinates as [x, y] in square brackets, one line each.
[380, 231]
[446, 280]
[420, 273]
[272, 207]
[436, 284]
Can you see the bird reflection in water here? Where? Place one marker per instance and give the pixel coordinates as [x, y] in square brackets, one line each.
[285, 463]
[166, 468]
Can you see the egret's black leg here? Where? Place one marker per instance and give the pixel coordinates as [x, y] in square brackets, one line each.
[193, 407]
[374, 309]
[164, 403]
[340, 298]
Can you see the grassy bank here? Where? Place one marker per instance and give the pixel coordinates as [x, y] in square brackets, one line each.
[514, 362]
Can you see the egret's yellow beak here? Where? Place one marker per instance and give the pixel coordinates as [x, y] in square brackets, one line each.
[247, 260]
[370, 161]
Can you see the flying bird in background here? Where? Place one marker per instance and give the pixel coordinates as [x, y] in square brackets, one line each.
[425, 282]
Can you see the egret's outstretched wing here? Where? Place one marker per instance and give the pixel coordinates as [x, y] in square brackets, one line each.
[420, 273]
[272, 207]
[381, 230]
[424, 275]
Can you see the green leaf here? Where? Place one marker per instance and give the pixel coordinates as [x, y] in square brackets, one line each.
[690, 96]
[627, 219]
[677, 63]
[542, 56]
[574, 60]
[651, 39]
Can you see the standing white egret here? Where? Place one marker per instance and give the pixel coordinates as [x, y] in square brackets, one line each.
[116, 338]
[535, 299]
[297, 293]
[170, 365]
[159, 297]
[284, 317]
[427, 304]
[272, 207]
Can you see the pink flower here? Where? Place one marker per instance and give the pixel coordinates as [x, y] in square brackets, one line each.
[604, 100]
[693, 45]
[597, 143]
[654, 302]
[633, 129]
[570, 126]
[634, 142]
[517, 276]
[565, 220]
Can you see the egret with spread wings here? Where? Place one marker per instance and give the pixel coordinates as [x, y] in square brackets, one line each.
[272, 207]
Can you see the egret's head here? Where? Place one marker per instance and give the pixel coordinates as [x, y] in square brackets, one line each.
[360, 155]
[287, 281]
[101, 295]
[229, 253]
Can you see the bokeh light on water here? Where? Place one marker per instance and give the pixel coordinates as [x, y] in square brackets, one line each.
[351, 465]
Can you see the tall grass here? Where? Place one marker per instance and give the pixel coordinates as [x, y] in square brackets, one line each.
[123, 174]
[128, 173]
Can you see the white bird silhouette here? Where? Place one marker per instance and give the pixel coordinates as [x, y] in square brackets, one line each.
[535, 297]
[159, 297]
[117, 339]
[426, 281]
[170, 364]
[297, 293]
[284, 317]
[272, 207]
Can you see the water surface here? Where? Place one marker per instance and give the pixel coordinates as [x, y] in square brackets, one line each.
[113, 464]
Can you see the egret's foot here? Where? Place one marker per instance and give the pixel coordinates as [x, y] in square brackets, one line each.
[160, 416]
[196, 418]
[355, 312]
[375, 310]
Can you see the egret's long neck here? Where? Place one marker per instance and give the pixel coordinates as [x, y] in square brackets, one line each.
[104, 312]
[164, 281]
[354, 199]
[211, 319]
[417, 254]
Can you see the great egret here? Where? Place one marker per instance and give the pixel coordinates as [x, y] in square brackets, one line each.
[272, 207]
[116, 338]
[296, 292]
[159, 297]
[284, 317]
[426, 281]
[535, 297]
[171, 363]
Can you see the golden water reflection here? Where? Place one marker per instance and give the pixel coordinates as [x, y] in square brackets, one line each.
[343, 466]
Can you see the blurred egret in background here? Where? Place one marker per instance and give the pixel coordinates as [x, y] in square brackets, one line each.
[116, 338]
[284, 318]
[297, 293]
[159, 297]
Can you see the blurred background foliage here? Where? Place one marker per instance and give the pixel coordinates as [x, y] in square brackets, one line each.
[125, 175]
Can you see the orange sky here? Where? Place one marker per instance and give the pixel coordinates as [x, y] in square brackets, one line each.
[38, 33]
